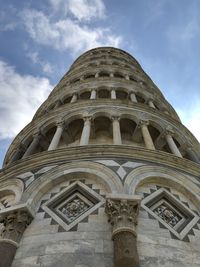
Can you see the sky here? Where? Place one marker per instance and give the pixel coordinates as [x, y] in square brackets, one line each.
[39, 40]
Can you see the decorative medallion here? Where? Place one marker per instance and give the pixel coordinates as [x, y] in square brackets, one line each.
[170, 212]
[73, 204]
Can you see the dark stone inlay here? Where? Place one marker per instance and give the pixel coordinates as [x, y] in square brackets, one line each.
[7, 253]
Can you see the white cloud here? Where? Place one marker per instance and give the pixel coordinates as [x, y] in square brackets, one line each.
[66, 34]
[87, 9]
[83, 10]
[190, 117]
[21, 95]
[46, 67]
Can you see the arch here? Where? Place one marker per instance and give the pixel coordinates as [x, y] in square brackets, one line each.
[163, 176]
[127, 128]
[68, 171]
[103, 93]
[104, 73]
[12, 187]
[101, 131]
[121, 94]
[74, 131]
[118, 75]
[85, 95]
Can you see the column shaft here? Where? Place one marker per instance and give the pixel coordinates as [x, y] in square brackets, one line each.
[192, 155]
[151, 104]
[116, 132]
[32, 147]
[113, 94]
[93, 94]
[125, 250]
[16, 155]
[172, 145]
[147, 137]
[133, 97]
[56, 138]
[7, 253]
[74, 98]
[85, 136]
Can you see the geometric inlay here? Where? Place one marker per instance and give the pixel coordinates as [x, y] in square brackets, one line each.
[170, 212]
[73, 204]
[121, 167]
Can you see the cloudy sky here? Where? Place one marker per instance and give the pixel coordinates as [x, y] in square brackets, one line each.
[40, 39]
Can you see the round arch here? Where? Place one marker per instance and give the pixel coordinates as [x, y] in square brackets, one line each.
[162, 176]
[68, 171]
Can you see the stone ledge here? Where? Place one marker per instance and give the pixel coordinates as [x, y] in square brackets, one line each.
[104, 151]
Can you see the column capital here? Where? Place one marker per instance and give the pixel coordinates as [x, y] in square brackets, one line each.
[122, 213]
[15, 221]
[168, 132]
[143, 122]
[60, 123]
[87, 118]
[115, 118]
[132, 92]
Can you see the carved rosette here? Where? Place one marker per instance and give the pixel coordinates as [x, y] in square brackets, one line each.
[14, 224]
[122, 213]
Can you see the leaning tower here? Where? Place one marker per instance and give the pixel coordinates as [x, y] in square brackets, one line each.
[104, 175]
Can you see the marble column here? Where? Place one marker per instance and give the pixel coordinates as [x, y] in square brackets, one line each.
[14, 224]
[85, 136]
[151, 104]
[146, 135]
[33, 145]
[117, 140]
[17, 154]
[113, 94]
[133, 97]
[122, 212]
[74, 98]
[58, 103]
[57, 135]
[93, 94]
[193, 156]
[97, 75]
[127, 77]
[172, 145]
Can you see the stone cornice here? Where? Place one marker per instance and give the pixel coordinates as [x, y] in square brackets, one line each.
[102, 151]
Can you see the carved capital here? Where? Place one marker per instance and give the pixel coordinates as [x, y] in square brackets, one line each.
[143, 122]
[122, 213]
[14, 224]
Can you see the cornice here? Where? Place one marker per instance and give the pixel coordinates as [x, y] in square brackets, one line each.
[91, 152]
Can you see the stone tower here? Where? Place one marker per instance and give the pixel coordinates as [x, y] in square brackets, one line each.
[104, 175]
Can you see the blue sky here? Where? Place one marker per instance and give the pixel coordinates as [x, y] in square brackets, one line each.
[40, 39]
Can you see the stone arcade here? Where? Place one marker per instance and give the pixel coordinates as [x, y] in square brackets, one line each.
[104, 175]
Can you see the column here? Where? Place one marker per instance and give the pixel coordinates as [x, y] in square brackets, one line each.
[172, 145]
[133, 97]
[111, 75]
[15, 222]
[93, 94]
[16, 155]
[116, 131]
[58, 103]
[193, 156]
[122, 213]
[56, 138]
[146, 135]
[113, 94]
[97, 75]
[85, 136]
[74, 98]
[127, 77]
[33, 145]
[151, 104]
